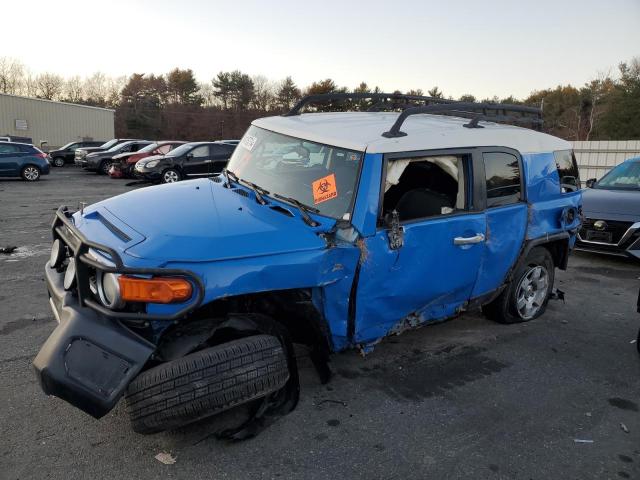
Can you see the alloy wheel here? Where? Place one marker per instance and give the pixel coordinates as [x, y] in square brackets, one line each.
[170, 176]
[31, 174]
[532, 291]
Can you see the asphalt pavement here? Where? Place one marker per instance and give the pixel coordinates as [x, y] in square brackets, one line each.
[556, 398]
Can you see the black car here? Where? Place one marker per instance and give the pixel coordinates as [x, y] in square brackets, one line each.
[82, 152]
[67, 153]
[100, 162]
[191, 160]
[611, 209]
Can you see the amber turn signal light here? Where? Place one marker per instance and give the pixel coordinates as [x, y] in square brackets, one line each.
[154, 290]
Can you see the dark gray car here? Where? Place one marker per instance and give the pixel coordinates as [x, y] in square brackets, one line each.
[611, 208]
[101, 161]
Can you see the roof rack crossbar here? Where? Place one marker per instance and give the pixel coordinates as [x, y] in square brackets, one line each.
[396, 100]
[474, 111]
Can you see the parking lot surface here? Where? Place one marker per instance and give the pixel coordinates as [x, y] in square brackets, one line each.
[556, 398]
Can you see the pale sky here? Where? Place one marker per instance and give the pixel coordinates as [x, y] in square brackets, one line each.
[482, 47]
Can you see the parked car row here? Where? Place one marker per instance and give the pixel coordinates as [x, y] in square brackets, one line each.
[165, 161]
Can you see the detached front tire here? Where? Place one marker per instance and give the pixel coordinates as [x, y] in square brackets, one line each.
[527, 295]
[205, 383]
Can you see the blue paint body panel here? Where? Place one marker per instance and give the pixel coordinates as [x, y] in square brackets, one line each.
[237, 246]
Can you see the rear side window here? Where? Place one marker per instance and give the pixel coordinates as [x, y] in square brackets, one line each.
[567, 170]
[5, 148]
[503, 177]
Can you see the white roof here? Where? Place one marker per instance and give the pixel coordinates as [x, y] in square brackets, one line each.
[363, 131]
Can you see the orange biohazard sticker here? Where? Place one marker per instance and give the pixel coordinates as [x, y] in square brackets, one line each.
[324, 189]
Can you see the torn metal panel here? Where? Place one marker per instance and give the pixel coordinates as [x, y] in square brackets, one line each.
[429, 274]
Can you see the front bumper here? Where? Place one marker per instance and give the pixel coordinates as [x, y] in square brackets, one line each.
[89, 359]
[92, 356]
[620, 239]
[149, 175]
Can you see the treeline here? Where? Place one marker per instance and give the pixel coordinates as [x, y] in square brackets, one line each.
[175, 105]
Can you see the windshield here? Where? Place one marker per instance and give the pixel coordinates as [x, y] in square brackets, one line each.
[109, 144]
[65, 147]
[148, 148]
[120, 146]
[317, 175]
[625, 176]
[181, 150]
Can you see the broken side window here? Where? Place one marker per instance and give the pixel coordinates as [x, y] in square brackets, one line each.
[426, 186]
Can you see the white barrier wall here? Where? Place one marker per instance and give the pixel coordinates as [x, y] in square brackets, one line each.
[598, 157]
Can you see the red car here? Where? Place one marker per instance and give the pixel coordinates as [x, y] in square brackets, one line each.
[123, 164]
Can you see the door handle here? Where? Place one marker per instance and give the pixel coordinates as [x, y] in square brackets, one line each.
[477, 238]
[208, 161]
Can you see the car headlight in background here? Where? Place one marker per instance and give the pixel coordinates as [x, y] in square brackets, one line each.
[152, 163]
[57, 253]
[109, 290]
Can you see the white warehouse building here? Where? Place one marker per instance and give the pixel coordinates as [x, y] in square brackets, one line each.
[56, 123]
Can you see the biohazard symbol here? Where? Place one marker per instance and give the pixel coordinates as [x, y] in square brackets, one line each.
[324, 189]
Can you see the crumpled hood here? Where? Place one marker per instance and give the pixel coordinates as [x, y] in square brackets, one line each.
[623, 205]
[201, 220]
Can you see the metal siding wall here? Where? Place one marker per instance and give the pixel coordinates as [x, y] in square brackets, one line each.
[597, 157]
[56, 122]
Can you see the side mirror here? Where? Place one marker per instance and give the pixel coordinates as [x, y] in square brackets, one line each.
[189, 156]
[591, 182]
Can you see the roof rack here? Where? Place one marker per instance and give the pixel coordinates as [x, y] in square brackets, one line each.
[494, 112]
[393, 101]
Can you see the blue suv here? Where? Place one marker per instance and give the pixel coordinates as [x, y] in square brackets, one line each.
[328, 229]
[22, 160]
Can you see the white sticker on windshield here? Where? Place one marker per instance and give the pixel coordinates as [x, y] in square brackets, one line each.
[248, 142]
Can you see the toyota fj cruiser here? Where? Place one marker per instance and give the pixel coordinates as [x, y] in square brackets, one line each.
[330, 229]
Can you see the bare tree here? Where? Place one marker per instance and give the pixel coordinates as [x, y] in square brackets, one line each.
[208, 95]
[264, 93]
[49, 86]
[73, 89]
[11, 75]
[96, 89]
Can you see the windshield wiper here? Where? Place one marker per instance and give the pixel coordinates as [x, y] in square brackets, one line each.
[303, 209]
[256, 189]
[229, 175]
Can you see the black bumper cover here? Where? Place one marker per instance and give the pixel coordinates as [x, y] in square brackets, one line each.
[89, 359]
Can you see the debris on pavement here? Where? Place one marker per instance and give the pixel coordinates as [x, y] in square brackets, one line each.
[580, 440]
[558, 295]
[7, 250]
[166, 458]
[624, 427]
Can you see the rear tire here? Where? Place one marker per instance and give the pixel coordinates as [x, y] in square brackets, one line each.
[171, 175]
[30, 173]
[58, 162]
[205, 383]
[527, 295]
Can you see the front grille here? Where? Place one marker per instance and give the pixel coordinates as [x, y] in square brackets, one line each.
[615, 228]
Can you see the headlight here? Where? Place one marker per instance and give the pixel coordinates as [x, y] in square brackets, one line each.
[57, 253]
[70, 274]
[109, 290]
[152, 163]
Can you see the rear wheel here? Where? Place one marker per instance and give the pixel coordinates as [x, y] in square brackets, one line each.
[58, 162]
[30, 173]
[170, 176]
[527, 295]
[206, 382]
